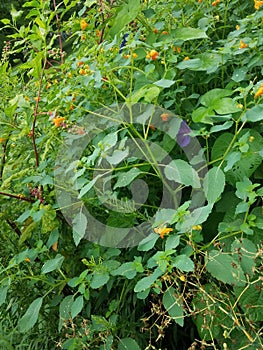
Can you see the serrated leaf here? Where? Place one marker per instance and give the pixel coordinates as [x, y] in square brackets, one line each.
[225, 268]
[52, 264]
[181, 172]
[164, 83]
[79, 227]
[189, 34]
[77, 306]
[124, 179]
[214, 184]
[99, 279]
[128, 344]
[30, 317]
[172, 242]
[148, 242]
[183, 263]
[173, 306]
[146, 282]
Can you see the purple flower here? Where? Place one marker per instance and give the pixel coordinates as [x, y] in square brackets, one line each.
[183, 139]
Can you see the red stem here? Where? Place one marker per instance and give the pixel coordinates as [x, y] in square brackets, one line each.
[17, 196]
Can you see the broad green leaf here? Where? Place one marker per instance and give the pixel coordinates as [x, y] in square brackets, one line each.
[164, 83]
[64, 310]
[189, 34]
[173, 306]
[124, 179]
[225, 268]
[225, 106]
[183, 263]
[196, 217]
[128, 344]
[146, 282]
[212, 96]
[52, 264]
[79, 227]
[221, 144]
[30, 317]
[127, 269]
[214, 184]
[117, 156]
[3, 293]
[254, 114]
[127, 12]
[148, 242]
[245, 251]
[203, 115]
[172, 242]
[148, 92]
[182, 172]
[99, 278]
[221, 127]
[77, 306]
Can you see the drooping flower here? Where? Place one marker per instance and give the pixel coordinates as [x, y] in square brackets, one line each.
[165, 117]
[58, 121]
[242, 44]
[215, 3]
[257, 4]
[162, 231]
[259, 91]
[83, 24]
[153, 54]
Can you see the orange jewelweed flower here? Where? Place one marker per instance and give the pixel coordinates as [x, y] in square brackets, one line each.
[2, 139]
[83, 24]
[80, 63]
[82, 71]
[197, 227]
[27, 260]
[164, 32]
[153, 54]
[155, 30]
[257, 4]
[242, 45]
[215, 3]
[164, 117]
[186, 58]
[162, 231]
[55, 246]
[58, 121]
[259, 92]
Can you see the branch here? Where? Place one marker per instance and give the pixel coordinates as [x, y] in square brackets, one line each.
[17, 196]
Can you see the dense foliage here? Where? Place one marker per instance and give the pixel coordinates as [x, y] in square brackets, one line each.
[179, 82]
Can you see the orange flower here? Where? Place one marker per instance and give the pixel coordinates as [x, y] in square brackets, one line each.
[242, 45]
[55, 246]
[83, 24]
[237, 27]
[27, 260]
[162, 231]
[80, 63]
[134, 55]
[155, 30]
[58, 121]
[126, 56]
[164, 117]
[215, 3]
[177, 49]
[259, 92]
[2, 139]
[257, 4]
[197, 228]
[164, 32]
[186, 58]
[82, 71]
[153, 54]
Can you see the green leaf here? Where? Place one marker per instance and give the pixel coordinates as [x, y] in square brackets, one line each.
[225, 106]
[126, 13]
[183, 263]
[196, 217]
[30, 317]
[64, 310]
[124, 179]
[52, 264]
[148, 242]
[79, 227]
[127, 269]
[99, 278]
[3, 294]
[172, 242]
[117, 156]
[225, 268]
[214, 184]
[182, 172]
[128, 344]
[189, 34]
[254, 114]
[212, 96]
[173, 306]
[244, 251]
[77, 306]
[146, 282]
[164, 83]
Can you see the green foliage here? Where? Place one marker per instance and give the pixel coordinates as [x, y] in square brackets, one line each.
[126, 76]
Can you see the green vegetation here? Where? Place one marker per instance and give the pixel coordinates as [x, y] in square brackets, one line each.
[128, 79]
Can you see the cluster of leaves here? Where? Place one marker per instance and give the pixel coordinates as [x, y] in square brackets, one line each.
[202, 275]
